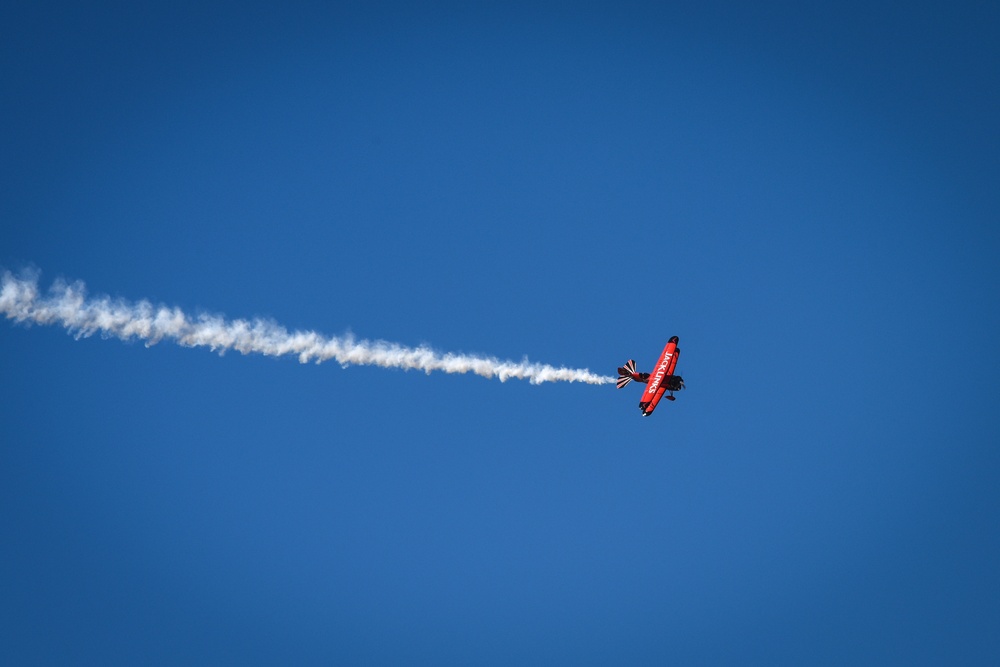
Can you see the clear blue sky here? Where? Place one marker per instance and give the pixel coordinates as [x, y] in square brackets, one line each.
[807, 197]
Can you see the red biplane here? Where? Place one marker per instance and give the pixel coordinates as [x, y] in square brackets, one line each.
[661, 381]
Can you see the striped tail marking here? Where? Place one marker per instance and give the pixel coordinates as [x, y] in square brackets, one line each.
[625, 373]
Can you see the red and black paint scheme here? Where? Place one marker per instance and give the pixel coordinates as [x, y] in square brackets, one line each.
[661, 381]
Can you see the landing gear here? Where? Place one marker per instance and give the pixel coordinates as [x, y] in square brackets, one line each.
[671, 398]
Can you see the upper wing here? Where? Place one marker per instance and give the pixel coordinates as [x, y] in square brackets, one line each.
[656, 387]
[647, 405]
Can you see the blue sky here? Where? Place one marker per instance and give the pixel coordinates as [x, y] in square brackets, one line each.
[806, 196]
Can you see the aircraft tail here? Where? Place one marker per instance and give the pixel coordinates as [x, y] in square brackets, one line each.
[625, 373]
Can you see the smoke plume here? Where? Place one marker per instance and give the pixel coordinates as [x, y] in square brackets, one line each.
[68, 305]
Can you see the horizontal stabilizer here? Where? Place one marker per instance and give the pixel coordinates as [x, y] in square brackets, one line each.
[625, 373]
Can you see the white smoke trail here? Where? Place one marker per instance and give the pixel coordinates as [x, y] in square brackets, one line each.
[67, 305]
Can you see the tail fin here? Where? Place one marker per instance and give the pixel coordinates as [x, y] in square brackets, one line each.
[625, 373]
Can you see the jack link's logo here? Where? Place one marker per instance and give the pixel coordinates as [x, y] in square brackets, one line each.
[661, 370]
